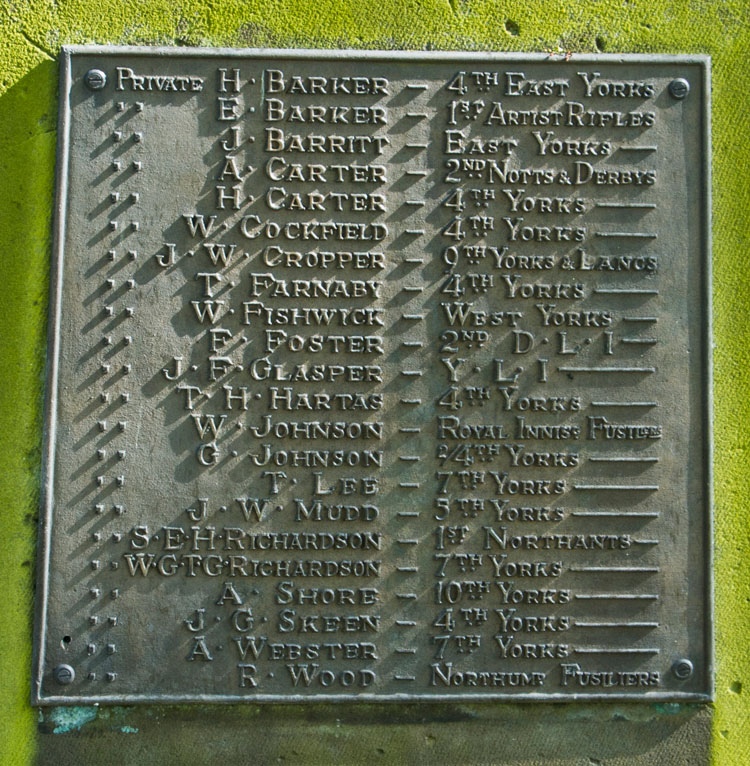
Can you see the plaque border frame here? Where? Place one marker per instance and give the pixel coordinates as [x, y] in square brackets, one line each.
[53, 348]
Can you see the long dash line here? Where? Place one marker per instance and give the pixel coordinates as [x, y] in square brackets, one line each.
[625, 291]
[580, 624]
[643, 205]
[649, 570]
[616, 596]
[619, 487]
[607, 369]
[625, 234]
[624, 404]
[618, 514]
[629, 650]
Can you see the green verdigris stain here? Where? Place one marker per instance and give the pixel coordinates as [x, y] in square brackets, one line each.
[33, 31]
[668, 708]
[65, 719]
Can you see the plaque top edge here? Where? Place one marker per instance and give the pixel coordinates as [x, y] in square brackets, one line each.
[332, 54]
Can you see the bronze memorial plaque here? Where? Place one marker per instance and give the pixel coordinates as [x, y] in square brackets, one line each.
[378, 376]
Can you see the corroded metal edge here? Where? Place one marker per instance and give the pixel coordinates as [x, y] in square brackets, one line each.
[51, 375]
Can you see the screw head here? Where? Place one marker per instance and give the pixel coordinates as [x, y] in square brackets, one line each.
[682, 669]
[679, 88]
[64, 674]
[95, 79]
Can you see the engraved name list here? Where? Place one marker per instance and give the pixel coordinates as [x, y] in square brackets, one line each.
[377, 376]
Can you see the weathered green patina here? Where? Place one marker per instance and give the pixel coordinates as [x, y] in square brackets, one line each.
[33, 31]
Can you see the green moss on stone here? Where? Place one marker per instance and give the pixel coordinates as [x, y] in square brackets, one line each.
[34, 30]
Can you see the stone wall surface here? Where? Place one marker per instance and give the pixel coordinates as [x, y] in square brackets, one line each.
[558, 734]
